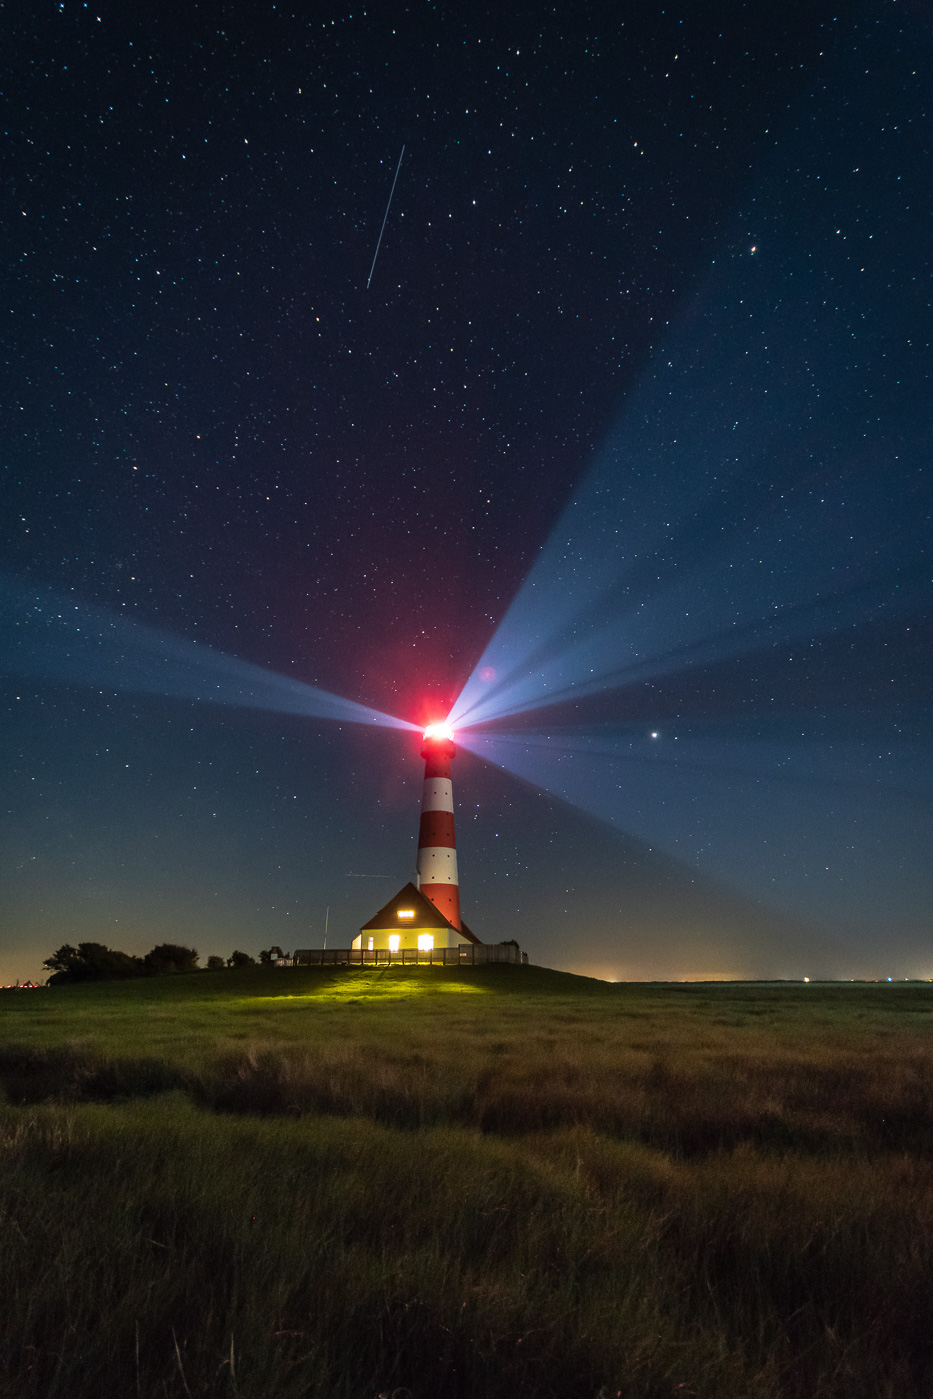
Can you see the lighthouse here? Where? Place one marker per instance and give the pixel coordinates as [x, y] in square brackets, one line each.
[425, 915]
[437, 876]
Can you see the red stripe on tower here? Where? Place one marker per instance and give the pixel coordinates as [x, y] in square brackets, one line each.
[437, 846]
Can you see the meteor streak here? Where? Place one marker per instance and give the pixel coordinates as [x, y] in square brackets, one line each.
[383, 228]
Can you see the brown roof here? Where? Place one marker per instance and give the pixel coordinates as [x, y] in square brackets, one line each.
[426, 915]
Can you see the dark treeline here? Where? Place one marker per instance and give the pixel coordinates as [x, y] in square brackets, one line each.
[94, 961]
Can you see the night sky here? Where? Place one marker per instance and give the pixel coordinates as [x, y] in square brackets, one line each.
[623, 457]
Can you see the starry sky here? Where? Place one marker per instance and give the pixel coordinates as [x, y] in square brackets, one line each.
[626, 445]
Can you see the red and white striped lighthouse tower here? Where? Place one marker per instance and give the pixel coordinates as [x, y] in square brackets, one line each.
[437, 846]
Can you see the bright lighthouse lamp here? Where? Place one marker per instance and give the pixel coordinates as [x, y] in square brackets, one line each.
[434, 731]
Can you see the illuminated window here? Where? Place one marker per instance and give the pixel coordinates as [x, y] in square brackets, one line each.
[369, 946]
[405, 913]
[425, 942]
[394, 941]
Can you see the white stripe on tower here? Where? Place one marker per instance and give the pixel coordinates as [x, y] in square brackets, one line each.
[437, 794]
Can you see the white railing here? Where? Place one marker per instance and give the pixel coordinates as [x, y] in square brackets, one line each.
[468, 954]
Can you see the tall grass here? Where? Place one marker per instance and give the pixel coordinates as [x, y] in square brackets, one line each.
[542, 1188]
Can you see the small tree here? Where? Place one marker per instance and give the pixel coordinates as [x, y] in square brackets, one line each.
[239, 960]
[168, 957]
[63, 960]
[216, 964]
[269, 955]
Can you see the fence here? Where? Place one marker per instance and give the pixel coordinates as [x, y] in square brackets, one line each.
[467, 954]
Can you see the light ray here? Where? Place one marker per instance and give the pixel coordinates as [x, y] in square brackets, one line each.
[735, 504]
[726, 799]
[55, 636]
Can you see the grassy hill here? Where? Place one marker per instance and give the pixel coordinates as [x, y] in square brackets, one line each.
[482, 1181]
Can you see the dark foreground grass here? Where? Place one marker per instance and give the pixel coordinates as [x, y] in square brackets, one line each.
[497, 1181]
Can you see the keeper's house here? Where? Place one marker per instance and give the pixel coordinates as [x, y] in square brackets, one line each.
[411, 922]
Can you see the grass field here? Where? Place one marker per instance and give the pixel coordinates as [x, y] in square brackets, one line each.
[496, 1181]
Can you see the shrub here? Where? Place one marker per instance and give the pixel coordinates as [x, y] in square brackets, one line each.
[239, 960]
[168, 957]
